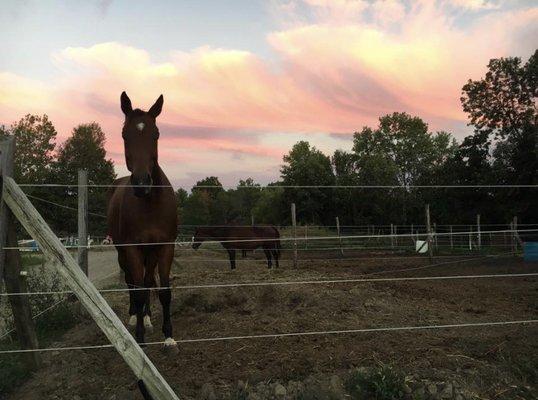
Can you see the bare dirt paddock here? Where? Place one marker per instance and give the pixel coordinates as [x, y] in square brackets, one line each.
[478, 362]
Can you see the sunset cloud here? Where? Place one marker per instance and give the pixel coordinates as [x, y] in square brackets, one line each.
[336, 66]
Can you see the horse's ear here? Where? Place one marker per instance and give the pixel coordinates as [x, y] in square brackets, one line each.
[126, 105]
[156, 109]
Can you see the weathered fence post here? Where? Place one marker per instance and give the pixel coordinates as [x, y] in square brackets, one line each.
[396, 235]
[294, 223]
[252, 219]
[478, 232]
[391, 236]
[451, 239]
[515, 235]
[339, 236]
[470, 237]
[88, 295]
[10, 264]
[83, 220]
[435, 235]
[429, 231]
[512, 239]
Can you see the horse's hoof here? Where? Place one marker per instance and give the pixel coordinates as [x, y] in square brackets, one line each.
[147, 323]
[170, 347]
[132, 321]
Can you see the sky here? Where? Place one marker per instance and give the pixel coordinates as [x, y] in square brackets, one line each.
[244, 80]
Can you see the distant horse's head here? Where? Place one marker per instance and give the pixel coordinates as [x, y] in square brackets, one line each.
[199, 236]
[140, 135]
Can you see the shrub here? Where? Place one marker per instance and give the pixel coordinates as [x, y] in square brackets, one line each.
[380, 383]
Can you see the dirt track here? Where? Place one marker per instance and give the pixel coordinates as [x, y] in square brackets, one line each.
[486, 361]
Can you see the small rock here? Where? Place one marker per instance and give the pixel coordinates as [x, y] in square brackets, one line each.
[207, 392]
[336, 382]
[280, 391]
[419, 392]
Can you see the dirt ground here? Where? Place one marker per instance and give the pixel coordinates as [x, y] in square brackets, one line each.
[491, 362]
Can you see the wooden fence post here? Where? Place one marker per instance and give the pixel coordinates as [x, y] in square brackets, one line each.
[429, 230]
[83, 220]
[435, 235]
[478, 232]
[470, 237]
[451, 239]
[339, 237]
[10, 264]
[88, 295]
[391, 236]
[294, 223]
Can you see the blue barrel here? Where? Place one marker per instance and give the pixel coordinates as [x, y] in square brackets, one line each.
[530, 251]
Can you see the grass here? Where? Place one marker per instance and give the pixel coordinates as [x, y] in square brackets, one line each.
[383, 382]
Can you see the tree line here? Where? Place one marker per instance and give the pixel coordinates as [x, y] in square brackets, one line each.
[400, 151]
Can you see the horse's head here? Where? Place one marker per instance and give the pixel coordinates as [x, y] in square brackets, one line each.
[140, 135]
[199, 236]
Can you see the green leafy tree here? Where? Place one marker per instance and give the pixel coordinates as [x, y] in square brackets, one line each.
[400, 151]
[35, 138]
[85, 149]
[305, 165]
[270, 207]
[502, 109]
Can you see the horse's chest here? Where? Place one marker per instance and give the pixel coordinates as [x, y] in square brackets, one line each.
[147, 223]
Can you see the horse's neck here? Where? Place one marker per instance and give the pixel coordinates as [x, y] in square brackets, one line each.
[158, 176]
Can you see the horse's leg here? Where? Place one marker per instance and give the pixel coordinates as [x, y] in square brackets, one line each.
[135, 259]
[275, 256]
[165, 256]
[231, 254]
[122, 261]
[268, 255]
[149, 282]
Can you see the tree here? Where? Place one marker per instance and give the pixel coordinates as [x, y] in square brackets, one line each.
[400, 151]
[85, 149]
[502, 109]
[242, 200]
[305, 165]
[35, 142]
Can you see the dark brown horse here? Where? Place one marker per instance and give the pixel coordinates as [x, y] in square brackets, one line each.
[142, 215]
[234, 238]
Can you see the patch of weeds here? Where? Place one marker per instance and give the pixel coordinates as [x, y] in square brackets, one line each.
[525, 371]
[383, 382]
[238, 394]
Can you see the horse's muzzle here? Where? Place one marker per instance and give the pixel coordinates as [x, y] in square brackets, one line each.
[141, 185]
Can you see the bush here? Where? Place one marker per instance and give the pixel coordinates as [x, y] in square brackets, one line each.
[380, 383]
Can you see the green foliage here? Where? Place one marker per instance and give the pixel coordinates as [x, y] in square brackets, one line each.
[305, 165]
[381, 383]
[35, 142]
[84, 149]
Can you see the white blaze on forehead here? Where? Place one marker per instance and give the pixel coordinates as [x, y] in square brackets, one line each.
[140, 126]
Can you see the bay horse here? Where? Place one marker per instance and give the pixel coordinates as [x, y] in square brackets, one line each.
[243, 238]
[142, 219]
